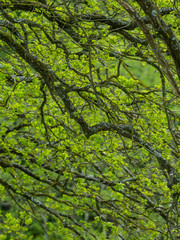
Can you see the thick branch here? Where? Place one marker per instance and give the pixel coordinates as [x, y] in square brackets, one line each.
[170, 39]
[119, 24]
[155, 48]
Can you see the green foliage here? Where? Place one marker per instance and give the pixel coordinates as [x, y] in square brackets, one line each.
[89, 120]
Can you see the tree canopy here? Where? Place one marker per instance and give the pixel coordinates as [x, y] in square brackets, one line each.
[89, 119]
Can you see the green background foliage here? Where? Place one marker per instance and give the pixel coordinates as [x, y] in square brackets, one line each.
[89, 119]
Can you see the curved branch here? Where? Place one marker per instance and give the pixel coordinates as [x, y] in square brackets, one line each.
[124, 130]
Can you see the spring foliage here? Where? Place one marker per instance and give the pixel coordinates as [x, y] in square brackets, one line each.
[89, 145]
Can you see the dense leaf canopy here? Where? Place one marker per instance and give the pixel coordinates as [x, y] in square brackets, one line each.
[89, 119]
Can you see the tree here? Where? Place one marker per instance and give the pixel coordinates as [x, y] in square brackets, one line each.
[89, 149]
